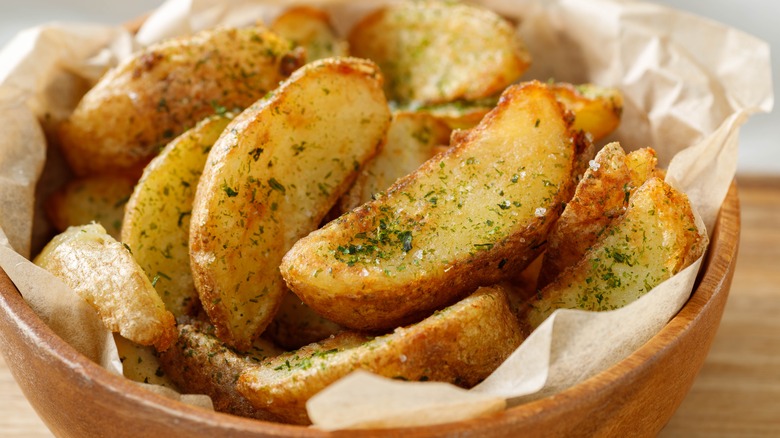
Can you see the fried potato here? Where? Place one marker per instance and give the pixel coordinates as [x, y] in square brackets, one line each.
[271, 178]
[296, 324]
[311, 29]
[98, 199]
[434, 51]
[469, 217]
[654, 239]
[140, 363]
[142, 104]
[458, 114]
[601, 196]
[103, 272]
[199, 363]
[597, 110]
[412, 139]
[461, 344]
[157, 219]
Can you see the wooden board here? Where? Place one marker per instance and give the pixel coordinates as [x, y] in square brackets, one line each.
[738, 390]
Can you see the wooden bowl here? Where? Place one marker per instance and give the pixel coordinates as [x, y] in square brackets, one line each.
[77, 398]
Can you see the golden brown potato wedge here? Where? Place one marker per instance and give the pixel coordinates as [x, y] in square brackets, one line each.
[311, 29]
[157, 218]
[270, 179]
[597, 110]
[601, 196]
[104, 273]
[654, 239]
[413, 138]
[461, 344]
[458, 114]
[296, 324]
[142, 104]
[199, 363]
[436, 51]
[98, 199]
[140, 363]
[469, 217]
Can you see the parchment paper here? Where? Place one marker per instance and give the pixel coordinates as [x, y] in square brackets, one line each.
[689, 84]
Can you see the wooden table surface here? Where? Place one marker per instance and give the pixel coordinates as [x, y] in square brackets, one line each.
[737, 393]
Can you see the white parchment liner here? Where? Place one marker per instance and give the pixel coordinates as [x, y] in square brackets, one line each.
[689, 84]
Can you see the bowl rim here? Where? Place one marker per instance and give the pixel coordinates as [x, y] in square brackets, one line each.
[719, 262]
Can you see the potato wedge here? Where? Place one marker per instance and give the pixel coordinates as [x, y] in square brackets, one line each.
[140, 363]
[98, 199]
[199, 363]
[271, 178]
[412, 139]
[469, 217]
[296, 324]
[435, 51]
[311, 29]
[104, 273]
[458, 114]
[601, 196]
[597, 110]
[654, 239]
[157, 218]
[142, 104]
[461, 344]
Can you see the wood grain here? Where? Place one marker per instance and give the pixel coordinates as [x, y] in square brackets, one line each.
[738, 390]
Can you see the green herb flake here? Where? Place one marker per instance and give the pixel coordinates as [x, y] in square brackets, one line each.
[276, 185]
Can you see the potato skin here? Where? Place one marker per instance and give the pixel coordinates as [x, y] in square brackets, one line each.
[199, 363]
[600, 198]
[473, 216]
[296, 324]
[137, 107]
[461, 344]
[271, 177]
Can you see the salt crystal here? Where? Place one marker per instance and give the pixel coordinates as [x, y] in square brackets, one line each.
[540, 212]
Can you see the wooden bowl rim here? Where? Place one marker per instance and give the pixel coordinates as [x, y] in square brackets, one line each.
[720, 259]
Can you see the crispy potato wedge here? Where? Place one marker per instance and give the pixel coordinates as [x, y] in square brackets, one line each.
[601, 196]
[142, 104]
[412, 139]
[654, 239]
[597, 110]
[461, 344]
[104, 273]
[458, 114]
[157, 218]
[98, 199]
[469, 217]
[434, 51]
[296, 324]
[199, 363]
[311, 29]
[271, 178]
[140, 363]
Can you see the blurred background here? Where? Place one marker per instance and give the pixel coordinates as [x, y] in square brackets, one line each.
[760, 144]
